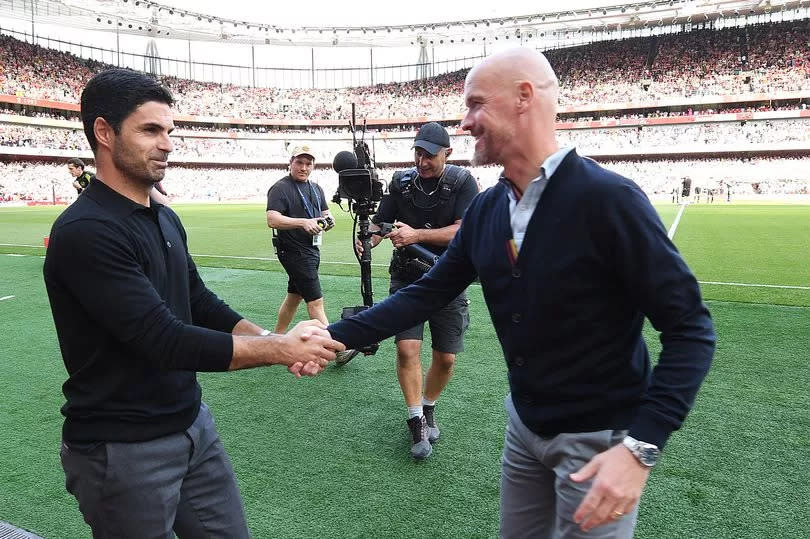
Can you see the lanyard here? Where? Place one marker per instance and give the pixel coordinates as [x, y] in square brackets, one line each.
[311, 212]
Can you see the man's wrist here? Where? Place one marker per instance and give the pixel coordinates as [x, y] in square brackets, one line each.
[645, 453]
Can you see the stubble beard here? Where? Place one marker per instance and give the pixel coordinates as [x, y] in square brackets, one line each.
[492, 147]
[128, 163]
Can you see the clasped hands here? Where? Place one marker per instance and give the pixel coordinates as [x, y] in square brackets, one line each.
[308, 348]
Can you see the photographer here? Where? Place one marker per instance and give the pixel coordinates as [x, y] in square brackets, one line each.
[425, 204]
[298, 210]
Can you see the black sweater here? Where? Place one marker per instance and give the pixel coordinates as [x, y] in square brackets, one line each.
[568, 313]
[133, 317]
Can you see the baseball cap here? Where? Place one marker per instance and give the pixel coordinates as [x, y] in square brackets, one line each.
[432, 138]
[302, 149]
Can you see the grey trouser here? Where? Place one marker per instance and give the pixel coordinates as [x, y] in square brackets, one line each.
[182, 483]
[538, 500]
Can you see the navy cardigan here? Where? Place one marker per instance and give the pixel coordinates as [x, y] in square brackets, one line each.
[569, 310]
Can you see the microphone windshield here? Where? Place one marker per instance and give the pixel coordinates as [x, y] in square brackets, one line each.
[344, 160]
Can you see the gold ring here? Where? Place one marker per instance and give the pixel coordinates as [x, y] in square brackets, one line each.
[616, 514]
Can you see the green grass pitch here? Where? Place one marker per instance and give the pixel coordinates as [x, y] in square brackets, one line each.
[328, 457]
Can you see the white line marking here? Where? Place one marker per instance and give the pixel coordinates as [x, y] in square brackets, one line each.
[273, 259]
[15, 254]
[671, 233]
[757, 285]
[6, 297]
[18, 245]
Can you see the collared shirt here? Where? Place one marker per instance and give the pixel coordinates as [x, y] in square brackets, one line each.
[133, 318]
[521, 211]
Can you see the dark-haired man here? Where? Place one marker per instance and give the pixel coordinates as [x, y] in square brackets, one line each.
[426, 203]
[81, 177]
[140, 449]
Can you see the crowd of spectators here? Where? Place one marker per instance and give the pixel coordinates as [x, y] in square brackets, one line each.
[732, 61]
[397, 149]
[28, 70]
[24, 181]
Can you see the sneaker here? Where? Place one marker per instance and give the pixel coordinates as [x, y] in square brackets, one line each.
[345, 356]
[421, 448]
[430, 419]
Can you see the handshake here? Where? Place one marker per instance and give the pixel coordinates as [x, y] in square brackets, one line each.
[306, 349]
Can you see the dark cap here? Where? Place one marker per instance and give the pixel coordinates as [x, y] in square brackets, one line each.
[432, 138]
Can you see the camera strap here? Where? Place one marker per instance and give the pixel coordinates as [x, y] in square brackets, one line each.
[405, 179]
[452, 174]
[447, 184]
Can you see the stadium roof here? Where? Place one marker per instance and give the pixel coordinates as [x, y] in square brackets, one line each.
[168, 20]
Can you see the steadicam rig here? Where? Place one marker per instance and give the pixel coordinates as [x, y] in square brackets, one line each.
[359, 186]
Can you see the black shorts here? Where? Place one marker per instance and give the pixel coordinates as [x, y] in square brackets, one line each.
[447, 326]
[302, 269]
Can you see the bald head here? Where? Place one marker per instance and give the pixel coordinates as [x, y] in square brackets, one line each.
[519, 64]
[512, 104]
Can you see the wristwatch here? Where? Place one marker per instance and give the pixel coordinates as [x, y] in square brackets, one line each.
[647, 454]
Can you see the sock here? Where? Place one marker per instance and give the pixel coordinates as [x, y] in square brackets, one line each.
[414, 411]
[426, 402]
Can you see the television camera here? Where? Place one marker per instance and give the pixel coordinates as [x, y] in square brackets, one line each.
[359, 186]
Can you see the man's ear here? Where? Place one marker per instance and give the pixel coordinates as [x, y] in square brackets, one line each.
[525, 94]
[448, 152]
[104, 132]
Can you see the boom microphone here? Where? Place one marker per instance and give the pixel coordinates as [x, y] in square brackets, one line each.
[343, 161]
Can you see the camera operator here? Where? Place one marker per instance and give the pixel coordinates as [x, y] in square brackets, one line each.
[425, 204]
[298, 213]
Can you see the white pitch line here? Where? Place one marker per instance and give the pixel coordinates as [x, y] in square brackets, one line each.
[757, 285]
[268, 259]
[18, 245]
[671, 233]
[6, 297]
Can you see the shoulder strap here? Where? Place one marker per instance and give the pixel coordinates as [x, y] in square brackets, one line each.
[451, 181]
[404, 178]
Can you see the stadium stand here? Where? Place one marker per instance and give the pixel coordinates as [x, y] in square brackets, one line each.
[738, 93]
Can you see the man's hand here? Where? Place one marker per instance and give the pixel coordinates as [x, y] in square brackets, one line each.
[307, 348]
[403, 235]
[311, 227]
[618, 481]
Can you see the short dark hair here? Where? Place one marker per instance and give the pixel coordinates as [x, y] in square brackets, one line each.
[113, 95]
[76, 162]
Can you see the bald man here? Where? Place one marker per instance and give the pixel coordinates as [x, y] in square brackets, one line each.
[571, 259]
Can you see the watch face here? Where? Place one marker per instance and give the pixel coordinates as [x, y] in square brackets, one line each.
[648, 455]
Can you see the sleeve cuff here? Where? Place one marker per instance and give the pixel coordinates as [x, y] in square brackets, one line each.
[648, 428]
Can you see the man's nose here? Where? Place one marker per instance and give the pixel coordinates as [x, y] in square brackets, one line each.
[465, 123]
[165, 144]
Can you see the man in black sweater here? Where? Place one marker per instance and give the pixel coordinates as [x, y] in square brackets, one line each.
[140, 449]
[571, 259]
